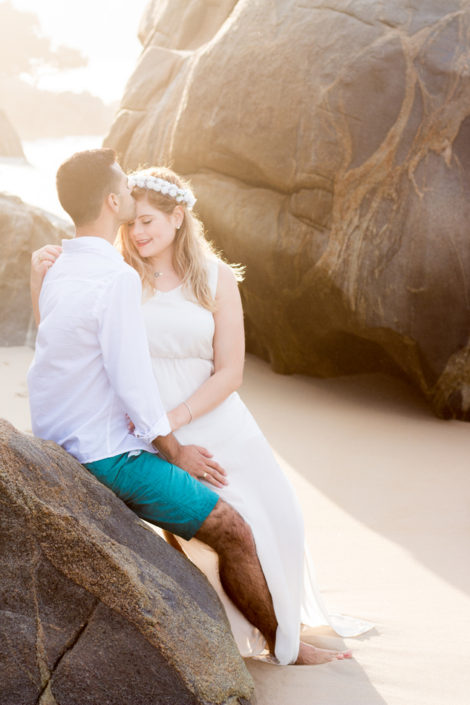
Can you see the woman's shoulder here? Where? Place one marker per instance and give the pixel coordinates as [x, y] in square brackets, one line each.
[212, 269]
[220, 276]
[219, 273]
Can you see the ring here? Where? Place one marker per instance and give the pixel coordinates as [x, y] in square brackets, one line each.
[204, 476]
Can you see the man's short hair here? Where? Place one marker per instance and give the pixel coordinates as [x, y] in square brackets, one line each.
[83, 182]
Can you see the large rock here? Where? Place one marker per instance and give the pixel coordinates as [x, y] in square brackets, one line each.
[56, 114]
[95, 608]
[23, 228]
[329, 146]
[10, 143]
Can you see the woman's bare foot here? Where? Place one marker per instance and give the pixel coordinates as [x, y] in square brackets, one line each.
[311, 655]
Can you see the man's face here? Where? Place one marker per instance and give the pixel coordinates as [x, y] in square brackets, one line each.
[124, 193]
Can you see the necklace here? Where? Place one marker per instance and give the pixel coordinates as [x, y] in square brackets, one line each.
[157, 274]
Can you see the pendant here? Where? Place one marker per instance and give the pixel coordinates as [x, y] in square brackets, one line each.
[157, 274]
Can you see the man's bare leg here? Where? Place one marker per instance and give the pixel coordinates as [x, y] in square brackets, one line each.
[240, 571]
[243, 579]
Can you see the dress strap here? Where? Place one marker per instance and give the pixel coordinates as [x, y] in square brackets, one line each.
[213, 275]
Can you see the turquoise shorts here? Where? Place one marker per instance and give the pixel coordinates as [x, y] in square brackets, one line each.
[157, 491]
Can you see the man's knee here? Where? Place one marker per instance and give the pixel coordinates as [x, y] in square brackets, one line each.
[225, 527]
[235, 528]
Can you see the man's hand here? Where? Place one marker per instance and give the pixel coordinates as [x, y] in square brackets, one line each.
[195, 460]
[198, 462]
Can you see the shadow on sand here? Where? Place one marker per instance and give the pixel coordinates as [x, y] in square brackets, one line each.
[309, 685]
[372, 445]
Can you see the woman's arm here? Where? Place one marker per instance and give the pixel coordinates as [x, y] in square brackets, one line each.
[41, 261]
[229, 354]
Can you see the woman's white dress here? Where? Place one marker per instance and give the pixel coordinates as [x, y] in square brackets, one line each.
[180, 334]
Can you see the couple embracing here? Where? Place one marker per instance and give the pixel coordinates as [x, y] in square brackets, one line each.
[138, 356]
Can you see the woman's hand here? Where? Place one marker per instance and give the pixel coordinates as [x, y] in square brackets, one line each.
[229, 355]
[41, 261]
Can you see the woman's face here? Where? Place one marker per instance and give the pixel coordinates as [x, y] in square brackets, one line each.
[153, 231]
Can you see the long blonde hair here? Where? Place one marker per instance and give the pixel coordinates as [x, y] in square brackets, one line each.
[191, 249]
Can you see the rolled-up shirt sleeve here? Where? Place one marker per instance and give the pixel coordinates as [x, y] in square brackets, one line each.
[126, 356]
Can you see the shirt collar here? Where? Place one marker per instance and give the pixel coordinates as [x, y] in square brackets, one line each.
[94, 245]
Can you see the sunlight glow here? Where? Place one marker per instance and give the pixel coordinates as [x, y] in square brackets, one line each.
[104, 30]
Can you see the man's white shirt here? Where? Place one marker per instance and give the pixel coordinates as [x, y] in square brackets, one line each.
[92, 363]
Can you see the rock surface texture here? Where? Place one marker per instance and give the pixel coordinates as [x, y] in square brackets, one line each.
[94, 606]
[10, 143]
[23, 228]
[329, 147]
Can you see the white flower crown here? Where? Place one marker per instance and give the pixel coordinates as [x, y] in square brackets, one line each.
[142, 179]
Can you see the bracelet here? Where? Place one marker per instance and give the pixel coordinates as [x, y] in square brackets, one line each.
[188, 408]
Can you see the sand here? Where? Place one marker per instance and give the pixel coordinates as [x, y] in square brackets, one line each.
[385, 490]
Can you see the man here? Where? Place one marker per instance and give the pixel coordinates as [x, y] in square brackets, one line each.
[92, 368]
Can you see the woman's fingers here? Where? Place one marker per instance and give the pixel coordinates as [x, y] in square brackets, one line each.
[51, 250]
[40, 267]
[50, 253]
[45, 256]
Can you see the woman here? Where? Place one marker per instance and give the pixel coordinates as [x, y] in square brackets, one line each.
[194, 321]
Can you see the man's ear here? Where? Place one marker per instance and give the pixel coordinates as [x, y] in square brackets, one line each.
[112, 200]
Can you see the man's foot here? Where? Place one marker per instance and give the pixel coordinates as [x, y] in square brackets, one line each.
[311, 655]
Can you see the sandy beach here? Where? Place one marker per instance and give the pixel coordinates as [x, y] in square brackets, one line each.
[385, 491]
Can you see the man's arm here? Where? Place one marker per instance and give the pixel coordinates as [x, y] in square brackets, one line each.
[127, 361]
[126, 357]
